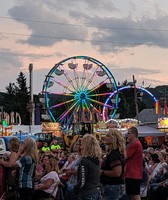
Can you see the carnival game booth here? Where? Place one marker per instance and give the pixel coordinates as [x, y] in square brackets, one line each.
[148, 136]
[101, 128]
[163, 124]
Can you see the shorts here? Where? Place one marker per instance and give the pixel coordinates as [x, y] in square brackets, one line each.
[132, 186]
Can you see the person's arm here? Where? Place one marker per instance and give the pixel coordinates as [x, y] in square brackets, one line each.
[64, 166]
[70, 172]
[152, 168]
[114, 172]
[164, 168]
[163, 183]
[11, 162]
[81, 177]
[131, 150]
[44, 186]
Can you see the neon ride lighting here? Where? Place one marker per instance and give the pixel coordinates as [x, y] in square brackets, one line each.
[120, 89]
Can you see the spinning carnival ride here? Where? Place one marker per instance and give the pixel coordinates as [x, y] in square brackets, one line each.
[138, 88]
[75, 90]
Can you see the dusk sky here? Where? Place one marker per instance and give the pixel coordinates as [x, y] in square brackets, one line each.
[130, 37]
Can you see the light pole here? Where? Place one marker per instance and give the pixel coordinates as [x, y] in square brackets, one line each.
[31, 103]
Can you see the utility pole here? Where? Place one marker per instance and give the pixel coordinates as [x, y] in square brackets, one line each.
[135, 99]
[2, 117]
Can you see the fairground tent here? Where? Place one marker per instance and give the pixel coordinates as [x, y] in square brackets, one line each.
[144, 131]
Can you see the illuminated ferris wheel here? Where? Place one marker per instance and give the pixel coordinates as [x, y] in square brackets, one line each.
[76, 89]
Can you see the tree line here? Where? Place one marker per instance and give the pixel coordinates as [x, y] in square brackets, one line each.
[17, 98]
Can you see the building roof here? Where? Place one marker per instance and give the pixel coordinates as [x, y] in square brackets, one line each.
[150, 116]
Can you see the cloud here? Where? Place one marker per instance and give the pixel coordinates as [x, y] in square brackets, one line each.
[127, 72]
[60, 55]
[141, 74]
[8, 60]
[135, 70]
[38, 79]
[49, 28]
[16, 54]
[83, 6]
[122, 33]
[87, 21]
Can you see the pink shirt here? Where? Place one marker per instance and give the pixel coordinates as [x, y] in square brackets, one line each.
[134, 161]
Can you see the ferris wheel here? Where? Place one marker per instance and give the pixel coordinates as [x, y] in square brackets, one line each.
[76, 89]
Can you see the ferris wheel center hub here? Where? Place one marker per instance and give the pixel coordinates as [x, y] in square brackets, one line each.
[82, 96]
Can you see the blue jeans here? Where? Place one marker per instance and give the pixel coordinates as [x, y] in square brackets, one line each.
[113, 192]
[94, 196]
[69, 192]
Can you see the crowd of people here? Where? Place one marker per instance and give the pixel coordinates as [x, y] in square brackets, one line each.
[117, 170]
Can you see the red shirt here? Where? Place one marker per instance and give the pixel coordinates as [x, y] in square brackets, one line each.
[134, 161]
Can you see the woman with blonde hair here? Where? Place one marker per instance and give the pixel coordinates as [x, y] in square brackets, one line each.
[112, 169]
[47, 187]
[27, 161]
[88, 180]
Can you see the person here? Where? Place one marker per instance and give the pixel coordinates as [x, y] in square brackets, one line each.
[47, 187]
[27, 162]
[46, 148]
[161, 192]
[9, 184]
[62, 159]
[72, 173]
[152, 170]
[54, 146]
[40, 169]
[134, 164]
[160, 174]
[150, 151]
[112, 169]
[144, 181]
[88, 184]
[68, 163]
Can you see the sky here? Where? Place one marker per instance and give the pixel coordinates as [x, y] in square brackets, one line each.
[129, 37]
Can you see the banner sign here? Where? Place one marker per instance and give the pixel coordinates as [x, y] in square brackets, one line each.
[53, 127]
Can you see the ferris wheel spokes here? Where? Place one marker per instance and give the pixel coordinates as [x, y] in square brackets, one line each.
[60, 104]
[70, 80]
[65, 113]
[101, 94]
[90, 81]
[100, 103]
[63, 85]
[98, 86]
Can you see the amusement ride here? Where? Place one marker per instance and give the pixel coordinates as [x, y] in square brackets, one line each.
[79, 91]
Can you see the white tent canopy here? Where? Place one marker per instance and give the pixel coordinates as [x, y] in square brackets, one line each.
[144, 131]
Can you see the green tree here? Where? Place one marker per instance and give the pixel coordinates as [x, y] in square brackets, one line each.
[22, 97]
[123, 107]
[21, 82]
[11, 89]
[18, 98]
[10, 102]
